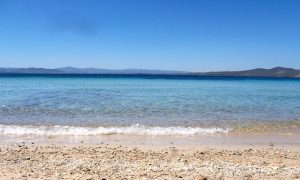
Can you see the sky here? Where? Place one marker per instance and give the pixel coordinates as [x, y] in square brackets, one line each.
[188, 35]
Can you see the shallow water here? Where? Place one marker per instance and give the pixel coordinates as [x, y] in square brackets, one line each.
[158, 105]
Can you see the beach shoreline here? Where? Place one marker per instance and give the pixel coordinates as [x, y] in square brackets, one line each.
[150, 157]
[213, 140]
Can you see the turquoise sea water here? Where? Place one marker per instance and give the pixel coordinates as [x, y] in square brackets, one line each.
[146, 104]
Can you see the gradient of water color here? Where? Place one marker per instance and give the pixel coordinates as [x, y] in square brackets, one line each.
[158, 105]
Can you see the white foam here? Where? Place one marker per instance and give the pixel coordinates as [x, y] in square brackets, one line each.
[86, 131]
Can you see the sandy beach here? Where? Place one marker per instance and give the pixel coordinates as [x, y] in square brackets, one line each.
[169, 158]
[149, 89]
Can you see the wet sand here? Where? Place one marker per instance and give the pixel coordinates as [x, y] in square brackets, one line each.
[146, 157]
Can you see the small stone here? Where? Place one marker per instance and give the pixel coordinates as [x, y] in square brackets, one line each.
[248, 176]
[202, 178]
[178, 176]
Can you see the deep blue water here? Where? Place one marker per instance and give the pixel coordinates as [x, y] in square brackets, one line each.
[164, 101]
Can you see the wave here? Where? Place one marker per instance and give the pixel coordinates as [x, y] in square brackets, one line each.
[87, 131]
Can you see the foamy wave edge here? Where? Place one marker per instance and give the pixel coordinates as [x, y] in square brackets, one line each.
[88, 131]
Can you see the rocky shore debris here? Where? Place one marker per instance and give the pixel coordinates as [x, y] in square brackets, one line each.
[31, 161]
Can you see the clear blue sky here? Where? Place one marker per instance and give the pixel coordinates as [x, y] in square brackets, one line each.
[193, 35]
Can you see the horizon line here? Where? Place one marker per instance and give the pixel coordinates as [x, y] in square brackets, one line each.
[145, 69]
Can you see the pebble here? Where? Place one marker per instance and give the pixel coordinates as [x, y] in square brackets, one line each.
[98, 161]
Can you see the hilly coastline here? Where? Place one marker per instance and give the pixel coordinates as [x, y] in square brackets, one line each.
[258, 72]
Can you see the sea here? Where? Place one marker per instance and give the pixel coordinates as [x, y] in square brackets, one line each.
[185, 105]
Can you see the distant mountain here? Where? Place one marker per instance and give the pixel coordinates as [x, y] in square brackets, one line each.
[29, 71]
[259, 72]
[73, 70]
